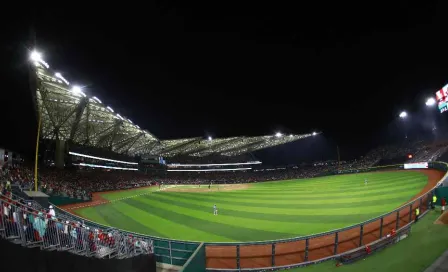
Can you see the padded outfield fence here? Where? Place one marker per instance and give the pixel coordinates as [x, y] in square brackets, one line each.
[302, 251]
[23, 224]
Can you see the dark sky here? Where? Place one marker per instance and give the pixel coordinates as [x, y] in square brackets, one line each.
[184, 71]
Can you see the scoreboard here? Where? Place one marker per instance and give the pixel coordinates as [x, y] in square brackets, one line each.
[442, 99]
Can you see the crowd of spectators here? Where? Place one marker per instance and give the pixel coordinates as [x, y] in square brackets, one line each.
[81, 183]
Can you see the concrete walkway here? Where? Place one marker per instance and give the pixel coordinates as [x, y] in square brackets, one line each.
[440, 265]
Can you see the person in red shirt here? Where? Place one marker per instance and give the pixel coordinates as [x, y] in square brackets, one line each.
[443, 204]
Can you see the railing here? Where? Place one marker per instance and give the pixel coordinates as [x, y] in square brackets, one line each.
[302, 251]
[29, 226]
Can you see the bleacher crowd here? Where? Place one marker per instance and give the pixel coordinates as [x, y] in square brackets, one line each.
[81, 183]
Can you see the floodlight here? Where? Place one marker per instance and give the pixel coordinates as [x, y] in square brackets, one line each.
[291, 135]
[58, 75]
[278, 134]
[209, 138]
[96, 99]
[76, 90]
[109, 108]
[36, 56]
[403, 114]
[314, 133]
[430, 102]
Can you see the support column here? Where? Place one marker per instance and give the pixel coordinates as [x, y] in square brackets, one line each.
[59, 154]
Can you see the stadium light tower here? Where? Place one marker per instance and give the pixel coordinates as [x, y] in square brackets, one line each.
[430, 102]
[36, 56]
[278, 134]
[403, 114]
[78, 91]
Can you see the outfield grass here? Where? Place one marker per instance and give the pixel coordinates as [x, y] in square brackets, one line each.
[414, 254]
[264, 211]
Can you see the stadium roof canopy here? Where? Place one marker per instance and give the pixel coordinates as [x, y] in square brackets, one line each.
[70, 114]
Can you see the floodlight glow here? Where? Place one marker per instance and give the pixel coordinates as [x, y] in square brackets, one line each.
[291, 135]
[96, 99]
[314, 133]
[403, 114]
[76, 90]
[99, 158]
[104, 166]
[209, 138]
[109, 108]
[58, 75]
[208, 170]
[130, 121]
[278, 134]
[430, 102]
[36, 56]
[212, 164]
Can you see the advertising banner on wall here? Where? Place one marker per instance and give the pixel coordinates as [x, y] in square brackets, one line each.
[416, 165]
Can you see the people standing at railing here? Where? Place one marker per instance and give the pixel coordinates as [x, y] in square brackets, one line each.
[434, 200]
[51, 211]
[417, 214]
[443, 204]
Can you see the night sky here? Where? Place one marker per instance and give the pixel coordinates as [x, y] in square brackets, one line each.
[186, 71]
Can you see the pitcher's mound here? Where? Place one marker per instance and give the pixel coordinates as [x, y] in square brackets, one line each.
[205, 189]
[443, 219]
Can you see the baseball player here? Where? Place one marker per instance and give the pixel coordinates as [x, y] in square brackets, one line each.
[215, 210]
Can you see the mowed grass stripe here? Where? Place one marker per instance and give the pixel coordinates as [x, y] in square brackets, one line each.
[222, 218]
[93, 215]
[206, 222]
[115, 217]
[335, 180]
[366, 192]
[325, 203]
[308, 219]
[301, 203]
[270, 210]
[335, 188]
[129, 193]
[160, 226]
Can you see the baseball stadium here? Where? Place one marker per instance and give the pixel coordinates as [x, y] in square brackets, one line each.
[110, 193]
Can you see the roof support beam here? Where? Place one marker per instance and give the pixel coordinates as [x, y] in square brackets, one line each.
[79, 111]
[117, 127]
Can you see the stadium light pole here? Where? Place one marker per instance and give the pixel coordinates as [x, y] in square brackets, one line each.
[37, 150]
[403, 116]
[430, 102]
[36, 57]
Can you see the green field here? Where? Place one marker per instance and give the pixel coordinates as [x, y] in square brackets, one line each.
[414, 254]
[264, 211]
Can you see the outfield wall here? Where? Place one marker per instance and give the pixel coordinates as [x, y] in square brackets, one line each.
[302, 251]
